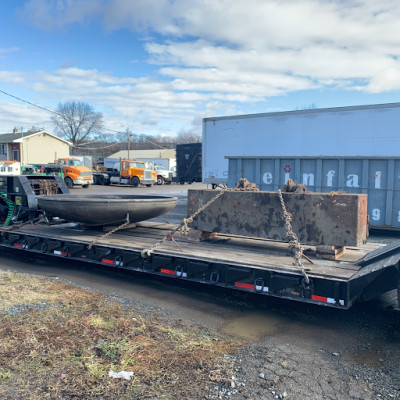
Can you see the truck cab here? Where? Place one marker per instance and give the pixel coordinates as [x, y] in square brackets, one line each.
[163, 175]
[133, 172]
[75, 173]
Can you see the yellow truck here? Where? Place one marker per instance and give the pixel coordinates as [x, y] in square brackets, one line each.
[130, 172]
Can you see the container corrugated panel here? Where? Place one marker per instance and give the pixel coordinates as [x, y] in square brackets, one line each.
[379, 177]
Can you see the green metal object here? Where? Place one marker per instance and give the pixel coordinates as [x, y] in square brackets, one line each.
[10, 211]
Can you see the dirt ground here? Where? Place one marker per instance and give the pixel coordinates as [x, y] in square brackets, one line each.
[287, 349]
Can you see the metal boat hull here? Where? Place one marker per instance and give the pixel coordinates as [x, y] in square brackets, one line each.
[99, 210]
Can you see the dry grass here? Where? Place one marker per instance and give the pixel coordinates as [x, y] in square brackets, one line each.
[60, 342]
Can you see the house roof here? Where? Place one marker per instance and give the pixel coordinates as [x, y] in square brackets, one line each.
[21, 136]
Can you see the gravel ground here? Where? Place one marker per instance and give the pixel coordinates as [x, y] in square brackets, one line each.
[291, 350]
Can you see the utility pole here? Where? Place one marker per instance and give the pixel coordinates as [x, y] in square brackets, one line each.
[129, 141]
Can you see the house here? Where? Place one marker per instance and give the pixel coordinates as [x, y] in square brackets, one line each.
[32, 147]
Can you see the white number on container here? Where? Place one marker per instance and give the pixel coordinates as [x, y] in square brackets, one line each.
[376, 214]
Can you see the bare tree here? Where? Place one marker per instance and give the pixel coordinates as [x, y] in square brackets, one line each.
[77, 121]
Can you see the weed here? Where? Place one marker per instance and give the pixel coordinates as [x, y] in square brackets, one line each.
[5, 375]
[62, 341]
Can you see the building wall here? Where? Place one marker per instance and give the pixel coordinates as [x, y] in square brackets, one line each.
[42, 149]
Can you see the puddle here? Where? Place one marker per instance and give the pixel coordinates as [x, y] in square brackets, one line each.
[253, 327]
[369, 357]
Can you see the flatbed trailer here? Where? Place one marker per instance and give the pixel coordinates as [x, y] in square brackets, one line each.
[252, 265]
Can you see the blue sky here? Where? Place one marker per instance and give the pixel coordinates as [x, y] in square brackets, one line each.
[159, 67]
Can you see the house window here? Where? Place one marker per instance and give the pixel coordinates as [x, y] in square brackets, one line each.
[3, 150]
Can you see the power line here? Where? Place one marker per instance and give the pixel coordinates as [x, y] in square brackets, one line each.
[57, 113]
[28, 102]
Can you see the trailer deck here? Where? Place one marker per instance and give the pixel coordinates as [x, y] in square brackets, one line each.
[253, 265]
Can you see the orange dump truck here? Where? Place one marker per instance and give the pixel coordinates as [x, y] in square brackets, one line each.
[130, 172]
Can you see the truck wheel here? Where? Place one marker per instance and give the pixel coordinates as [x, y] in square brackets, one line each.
[168, 182]
[160, 180]
[135, 181]
[95, 180]
[149, 185]
[182, 181]
[85, 186]
[100, 180]
[68, 182]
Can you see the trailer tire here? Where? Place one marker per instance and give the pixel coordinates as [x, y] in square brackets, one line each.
[160, 180]
[68, 181]
[135, 181]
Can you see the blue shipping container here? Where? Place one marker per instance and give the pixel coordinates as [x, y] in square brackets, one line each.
[379, 177]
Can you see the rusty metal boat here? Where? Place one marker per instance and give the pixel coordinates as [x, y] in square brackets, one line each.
[107, 209]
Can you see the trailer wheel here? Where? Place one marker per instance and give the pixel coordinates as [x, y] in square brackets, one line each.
[160, 180]
[135, 181]
[68, 182]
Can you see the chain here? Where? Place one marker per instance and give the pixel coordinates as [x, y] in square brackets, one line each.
[294, 244]
[183, 226]
[48, 187]
[93, 242]
[16, 226]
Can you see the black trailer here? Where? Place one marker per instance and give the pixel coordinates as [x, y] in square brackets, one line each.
[259, 266]
[188, 163]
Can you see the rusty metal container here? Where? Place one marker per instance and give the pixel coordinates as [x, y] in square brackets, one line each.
[317, 218]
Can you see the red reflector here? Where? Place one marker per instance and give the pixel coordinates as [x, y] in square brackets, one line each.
[167, 271]
[104, 260]
[244, 285]
[319, 298]
[17, 245]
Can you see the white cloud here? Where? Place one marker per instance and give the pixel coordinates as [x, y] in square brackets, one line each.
[22, 116]
[312, 41]
[213, 55]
